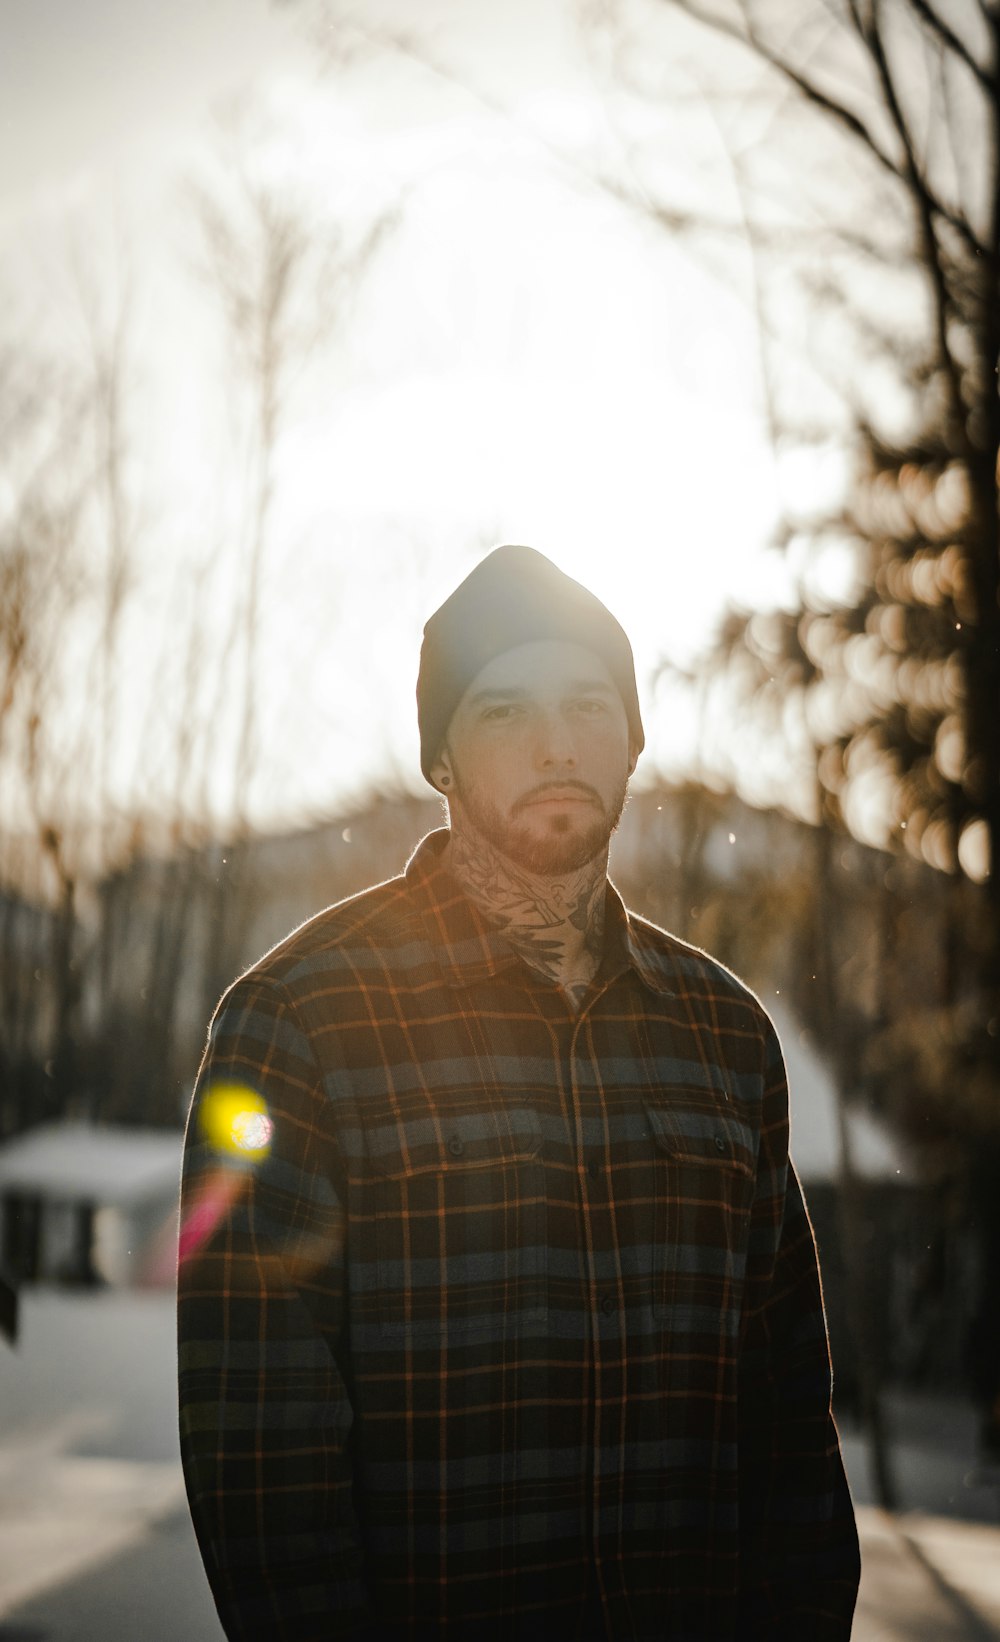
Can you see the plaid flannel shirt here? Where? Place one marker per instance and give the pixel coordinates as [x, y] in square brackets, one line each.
[514, 1327]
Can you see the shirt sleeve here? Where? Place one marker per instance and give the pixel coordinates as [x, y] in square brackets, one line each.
[265, 1414]
[799, 1546]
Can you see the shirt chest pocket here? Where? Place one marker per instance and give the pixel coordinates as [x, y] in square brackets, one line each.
[459, 1222]
[705, 1165]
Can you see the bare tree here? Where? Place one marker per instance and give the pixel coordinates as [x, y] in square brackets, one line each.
[282, 277]
[283, 280]
[42, 574]
[864, 136]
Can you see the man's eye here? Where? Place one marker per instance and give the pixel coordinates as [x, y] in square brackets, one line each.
[589, 704]
[505, 710]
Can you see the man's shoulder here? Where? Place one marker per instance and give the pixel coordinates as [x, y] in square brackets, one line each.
[378, 919]
[680, 967]
[708, 997]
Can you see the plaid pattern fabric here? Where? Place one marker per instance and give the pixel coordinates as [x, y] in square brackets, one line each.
[514, 1328]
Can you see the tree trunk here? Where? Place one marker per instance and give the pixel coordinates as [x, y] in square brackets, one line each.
[851, 1214]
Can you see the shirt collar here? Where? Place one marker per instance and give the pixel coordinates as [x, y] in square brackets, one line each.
[468, 948]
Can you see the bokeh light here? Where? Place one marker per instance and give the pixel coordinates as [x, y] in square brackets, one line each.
[234, 1119]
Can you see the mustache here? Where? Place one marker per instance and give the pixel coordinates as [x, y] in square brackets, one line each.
[532, 797]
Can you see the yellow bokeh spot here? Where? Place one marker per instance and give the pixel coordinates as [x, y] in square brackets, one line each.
[234, 1119]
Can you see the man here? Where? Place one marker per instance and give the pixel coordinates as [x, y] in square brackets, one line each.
[509, 1325]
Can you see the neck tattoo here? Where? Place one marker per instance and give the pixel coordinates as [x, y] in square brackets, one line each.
[554, 920]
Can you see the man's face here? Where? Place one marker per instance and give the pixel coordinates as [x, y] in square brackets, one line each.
[538, 755]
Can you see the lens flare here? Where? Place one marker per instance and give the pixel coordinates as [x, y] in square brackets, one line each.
[211, 1204]
[251, 1131]
[234, 1119]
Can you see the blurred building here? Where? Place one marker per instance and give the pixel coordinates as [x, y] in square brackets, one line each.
[83, 1204]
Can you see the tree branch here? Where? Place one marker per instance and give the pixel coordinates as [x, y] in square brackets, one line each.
[947, 36]
[871, 34]
[749, 37]
[852, 123]
[412, 50]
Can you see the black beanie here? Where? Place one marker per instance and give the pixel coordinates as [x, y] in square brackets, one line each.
[514, 596]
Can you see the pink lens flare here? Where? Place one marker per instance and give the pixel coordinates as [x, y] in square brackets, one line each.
[214, 1198]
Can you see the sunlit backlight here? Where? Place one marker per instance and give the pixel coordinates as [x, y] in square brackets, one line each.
[234, 1119]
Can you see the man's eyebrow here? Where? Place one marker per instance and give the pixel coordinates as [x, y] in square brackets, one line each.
[591, 687]
[501, 693]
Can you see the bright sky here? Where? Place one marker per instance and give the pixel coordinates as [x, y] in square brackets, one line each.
[528, 362]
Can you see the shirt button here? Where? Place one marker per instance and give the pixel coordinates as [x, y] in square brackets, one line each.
[721, 1144]
[455, 1146]
[608, 1304]
[594, 1170]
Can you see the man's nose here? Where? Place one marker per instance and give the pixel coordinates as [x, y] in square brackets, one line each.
[556, 745]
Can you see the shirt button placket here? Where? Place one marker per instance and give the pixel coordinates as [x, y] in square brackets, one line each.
[599, 1233]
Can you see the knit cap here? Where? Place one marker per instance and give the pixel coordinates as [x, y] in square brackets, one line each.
[513, 596]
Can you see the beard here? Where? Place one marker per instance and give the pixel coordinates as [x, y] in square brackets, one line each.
[554, 843]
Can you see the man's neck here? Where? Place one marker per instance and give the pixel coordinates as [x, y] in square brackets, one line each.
[554, 920]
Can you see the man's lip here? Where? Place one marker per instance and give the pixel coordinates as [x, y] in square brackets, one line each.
[562, 795]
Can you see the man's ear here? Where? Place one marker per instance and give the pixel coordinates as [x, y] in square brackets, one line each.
[442, 774]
